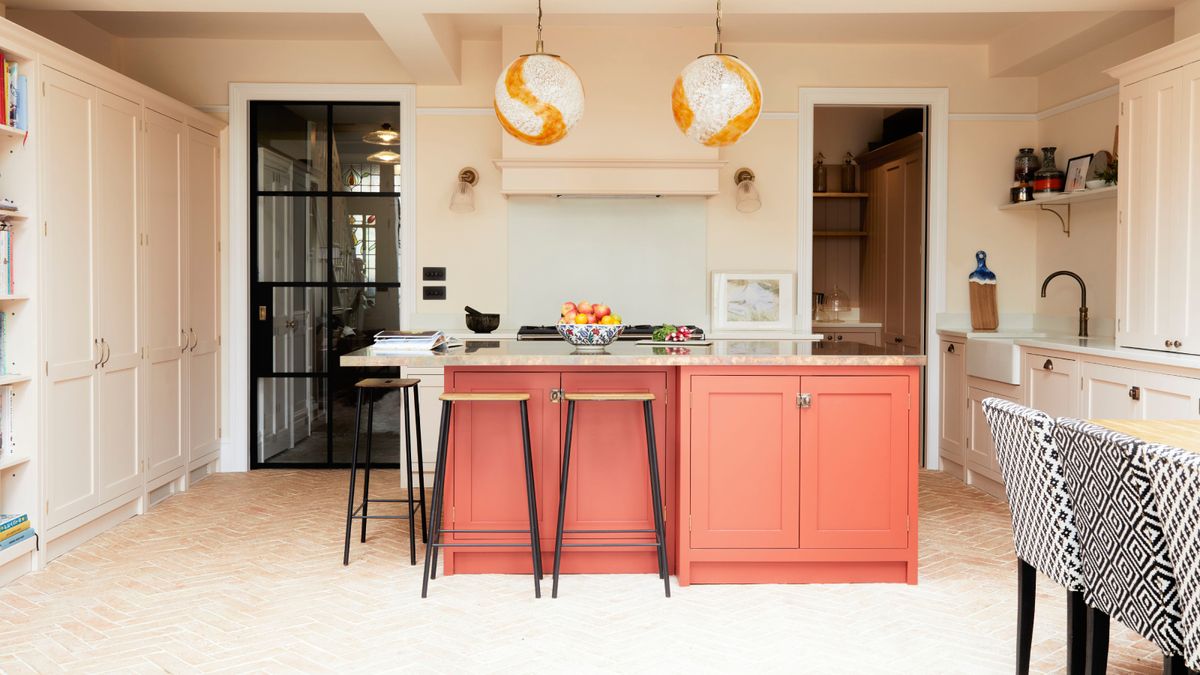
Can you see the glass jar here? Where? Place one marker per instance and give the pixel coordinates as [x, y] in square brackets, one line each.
[1048, 178]
[849, 174]
[1026, 166]
[820, 177]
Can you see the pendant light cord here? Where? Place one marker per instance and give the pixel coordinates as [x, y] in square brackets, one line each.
[539, 47]
[717, 48]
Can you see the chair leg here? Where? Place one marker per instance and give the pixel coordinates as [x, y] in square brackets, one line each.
[353, 473]
[1174, 665]
[660, 527]
[1097, 641]
[412, 525]
[562, 497]
[367, 469]
[1026, 598]
[420, 465]
[535, 544]
[1077, 633]
[435, 520]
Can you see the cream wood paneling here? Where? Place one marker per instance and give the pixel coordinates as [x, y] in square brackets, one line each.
[837, 261]
[1052, 384]
[72, 351]
[954, 400]
[118, 122]
[979, 452]
[203, 293]
[166, 316]
[1107, 392]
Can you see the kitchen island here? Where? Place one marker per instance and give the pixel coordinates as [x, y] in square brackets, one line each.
[782, 461]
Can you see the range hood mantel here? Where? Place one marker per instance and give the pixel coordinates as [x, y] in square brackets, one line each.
[610, 177]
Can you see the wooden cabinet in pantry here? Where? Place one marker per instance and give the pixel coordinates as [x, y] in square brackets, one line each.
[1158, 231]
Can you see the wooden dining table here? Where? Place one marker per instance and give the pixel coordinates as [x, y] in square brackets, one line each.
[1184, 434]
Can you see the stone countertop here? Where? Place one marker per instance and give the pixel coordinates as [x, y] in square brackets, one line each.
[1107, 347]
[629, 353]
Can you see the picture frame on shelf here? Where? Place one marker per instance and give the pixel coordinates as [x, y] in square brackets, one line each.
[1077, 173]
[752, 301]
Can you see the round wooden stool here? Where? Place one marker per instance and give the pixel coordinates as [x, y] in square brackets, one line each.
[660, 528]
[439, 488]
[365, 387]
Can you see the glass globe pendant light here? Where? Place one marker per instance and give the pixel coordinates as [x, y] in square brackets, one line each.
[538, 96]
[384, 135]
[717, 97]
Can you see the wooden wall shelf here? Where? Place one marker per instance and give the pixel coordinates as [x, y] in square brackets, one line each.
[840, 195]
[838, 233]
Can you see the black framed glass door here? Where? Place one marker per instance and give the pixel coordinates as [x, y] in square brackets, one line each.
[325, 234]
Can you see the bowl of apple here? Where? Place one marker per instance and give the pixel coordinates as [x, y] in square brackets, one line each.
[588, 326]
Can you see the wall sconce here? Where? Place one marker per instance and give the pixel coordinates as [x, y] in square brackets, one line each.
[463, 200]
[746, 197]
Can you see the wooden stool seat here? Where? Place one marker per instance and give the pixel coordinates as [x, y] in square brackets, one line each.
[611, 396]
[387, 383]
[485, 396]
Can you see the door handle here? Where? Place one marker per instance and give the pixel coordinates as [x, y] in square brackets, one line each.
[183, 334]
[195, 340]
[105, 352]
[803, 400]
[1135, 393]
[100, 358]
[1048, 365]
[950, 349]
[262, 312]
[899, 338]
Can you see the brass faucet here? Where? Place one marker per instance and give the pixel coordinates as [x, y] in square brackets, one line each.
[1083, 310]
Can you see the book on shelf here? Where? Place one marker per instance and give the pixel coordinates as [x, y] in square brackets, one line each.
[11, 73]
[28, 533]
[6, 271]
[11, 523]
[22, 121]
[4, 89]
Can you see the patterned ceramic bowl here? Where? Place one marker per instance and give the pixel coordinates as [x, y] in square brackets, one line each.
[590, 335]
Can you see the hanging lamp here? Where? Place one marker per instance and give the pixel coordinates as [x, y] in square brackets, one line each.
[384, 135]
[717, 97]
[538, 96]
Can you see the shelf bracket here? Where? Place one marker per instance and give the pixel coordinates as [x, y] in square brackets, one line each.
[1066, 224]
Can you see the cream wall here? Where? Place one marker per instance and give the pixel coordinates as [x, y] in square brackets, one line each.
[1187, 19]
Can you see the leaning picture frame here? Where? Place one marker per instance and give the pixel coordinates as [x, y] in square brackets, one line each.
[752, 301]
[1077, 173]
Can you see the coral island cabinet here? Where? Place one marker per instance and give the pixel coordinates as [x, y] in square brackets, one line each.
[798, 475]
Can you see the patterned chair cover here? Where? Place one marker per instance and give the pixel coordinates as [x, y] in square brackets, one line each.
[1043, 514]
[1127, 570]
[1175, 479]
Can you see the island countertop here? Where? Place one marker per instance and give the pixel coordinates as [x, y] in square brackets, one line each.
[628, 353]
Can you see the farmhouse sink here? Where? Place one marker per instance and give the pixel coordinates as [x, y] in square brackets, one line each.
[997, 359]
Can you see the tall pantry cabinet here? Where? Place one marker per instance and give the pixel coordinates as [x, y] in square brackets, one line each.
[129, 196]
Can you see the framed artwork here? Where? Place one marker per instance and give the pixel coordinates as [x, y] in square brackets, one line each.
[752, 301]
[1077, 173]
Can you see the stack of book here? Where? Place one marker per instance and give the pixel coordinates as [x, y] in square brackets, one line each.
[14, 529]
[14, 95]
[407, 341]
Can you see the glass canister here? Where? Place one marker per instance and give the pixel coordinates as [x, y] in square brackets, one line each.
[1048, 178]
[1026, 166]
[820, 177]
[849, 174]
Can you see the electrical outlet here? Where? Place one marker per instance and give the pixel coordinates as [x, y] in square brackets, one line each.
[433, 293]
[433, 273]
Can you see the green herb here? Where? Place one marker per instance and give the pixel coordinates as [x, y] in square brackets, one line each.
[661, 334]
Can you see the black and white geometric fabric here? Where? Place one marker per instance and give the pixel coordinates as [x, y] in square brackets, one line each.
[1127, 570]
[1043, 513]
[1175, 478]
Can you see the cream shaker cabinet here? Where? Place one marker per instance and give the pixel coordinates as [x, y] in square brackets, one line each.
[1112, 392]
[203, 292]
[1158, 240]
[953, 415]
[1052, 384]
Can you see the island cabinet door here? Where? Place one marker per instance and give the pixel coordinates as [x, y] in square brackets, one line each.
[745, 461]
[486, 465]
[854, 439]
[609, 485]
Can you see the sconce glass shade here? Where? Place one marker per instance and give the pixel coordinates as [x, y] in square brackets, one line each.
[384, 157]
[384, 135]
[539, 97]
[463, 199]
[746, 197]
[716, 100]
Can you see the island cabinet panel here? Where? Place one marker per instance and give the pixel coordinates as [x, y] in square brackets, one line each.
[745, 453]
[854, 432]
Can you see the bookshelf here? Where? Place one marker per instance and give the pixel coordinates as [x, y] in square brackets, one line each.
[19, 387]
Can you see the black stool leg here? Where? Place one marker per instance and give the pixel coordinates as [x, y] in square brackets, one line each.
[439, 473]
[562, 496]
[353, 473]
[412, 525]
[441, 507]
[660, 527]
[1174, 665]
[531, 496]
[367, 470]
[1026, 597]
[1097, 641]
[1076, 633]
[420, 465]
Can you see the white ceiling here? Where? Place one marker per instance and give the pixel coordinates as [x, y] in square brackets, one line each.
[235, 25]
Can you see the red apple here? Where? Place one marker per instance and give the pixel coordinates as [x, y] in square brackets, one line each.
[569, 315]
[584, 307]
[567, 307]
[591, 318]
[601, 311]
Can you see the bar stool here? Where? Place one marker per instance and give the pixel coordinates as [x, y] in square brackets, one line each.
[366, 388]
[439, 489]
[660, 528]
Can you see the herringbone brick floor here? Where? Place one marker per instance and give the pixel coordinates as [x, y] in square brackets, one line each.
[243, 574]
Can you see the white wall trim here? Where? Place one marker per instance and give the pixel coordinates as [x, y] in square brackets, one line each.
[235, 453]
[1079, 102]
[993, 117]
[455, 112]
[938, 102]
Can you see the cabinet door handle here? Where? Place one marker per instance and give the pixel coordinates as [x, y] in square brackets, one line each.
[195, 340]
[1048, 365]
[840, 337]
[100, 358]
[184, 335]
[1135, 393]
[950, 349]
[803, 400]
[899, 338]
[1167, 344]
[1177, 343]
